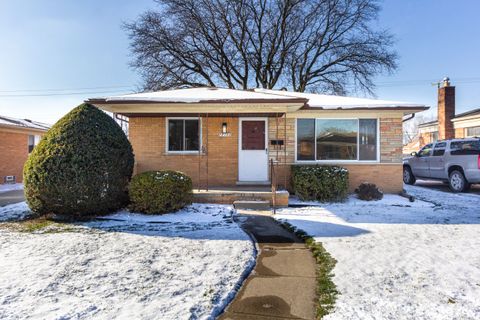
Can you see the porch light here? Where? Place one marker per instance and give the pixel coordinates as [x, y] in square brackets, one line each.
[224, 128]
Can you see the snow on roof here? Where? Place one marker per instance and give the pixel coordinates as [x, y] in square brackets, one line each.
[23, 123]
[198, 95]
[222, 95]
[340, 102]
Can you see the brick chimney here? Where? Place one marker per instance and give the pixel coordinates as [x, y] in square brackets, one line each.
[446, 110]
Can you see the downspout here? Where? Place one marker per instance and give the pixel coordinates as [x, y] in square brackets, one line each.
[123, 120]
[285, 150]
[199, 149]
[409, 118]
[206, 151]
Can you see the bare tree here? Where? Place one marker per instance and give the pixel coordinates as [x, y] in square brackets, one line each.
[306, 45]
[410, 127]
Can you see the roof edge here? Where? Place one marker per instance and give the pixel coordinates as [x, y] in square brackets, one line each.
[223, 101]
[22, 128]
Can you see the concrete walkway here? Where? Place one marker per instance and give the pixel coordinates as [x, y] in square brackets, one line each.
[282, 284]
[10, 197]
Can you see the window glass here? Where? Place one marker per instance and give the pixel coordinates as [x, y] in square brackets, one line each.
[336, 139]
[191, 135]
[461, 148]
[253, 135]
[306, 139]
[425, 151]
[31, 143]
[473, 132]
[175, 135]
[439, 149]
[183, 135]
[368, 139]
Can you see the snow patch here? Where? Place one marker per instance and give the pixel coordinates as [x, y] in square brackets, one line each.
[397, 259]
[17, 211]
[184, 265]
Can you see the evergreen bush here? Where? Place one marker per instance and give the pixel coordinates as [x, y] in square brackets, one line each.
[156, 192]
[319, 183]
[81, 167]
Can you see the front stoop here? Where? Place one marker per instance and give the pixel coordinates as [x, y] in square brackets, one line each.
[252, 205]
[230, 196]
[283, 282]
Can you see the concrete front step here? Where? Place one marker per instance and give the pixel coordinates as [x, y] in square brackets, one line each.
[229, 196]
[252, 205]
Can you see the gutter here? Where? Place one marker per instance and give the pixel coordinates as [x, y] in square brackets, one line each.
[409, 118]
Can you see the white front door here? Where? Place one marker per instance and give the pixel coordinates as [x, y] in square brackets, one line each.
[253, 150]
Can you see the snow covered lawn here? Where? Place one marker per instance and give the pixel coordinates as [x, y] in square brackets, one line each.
[401, 260]
[185, 265]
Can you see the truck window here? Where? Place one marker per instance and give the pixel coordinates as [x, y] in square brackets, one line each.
[425, 151]
[462, 148]
[439, 149]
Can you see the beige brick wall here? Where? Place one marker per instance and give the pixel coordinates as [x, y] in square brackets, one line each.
[460, 133]
[147, 135]
[148, 138]
[387, 177]
[282, 160]
[391, 135]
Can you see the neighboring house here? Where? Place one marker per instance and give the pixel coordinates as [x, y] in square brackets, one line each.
[412, 146]
[449, 125]
[18, 137]
[225, 137]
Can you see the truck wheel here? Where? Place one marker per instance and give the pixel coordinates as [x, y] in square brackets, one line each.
[408, 176]
[457, 181]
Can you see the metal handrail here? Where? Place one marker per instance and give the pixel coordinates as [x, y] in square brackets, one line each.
[273, 179]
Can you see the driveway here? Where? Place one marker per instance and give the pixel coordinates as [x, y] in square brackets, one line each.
[440, 186]
[10, 197]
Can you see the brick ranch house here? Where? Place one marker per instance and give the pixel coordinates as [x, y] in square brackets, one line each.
[18, 137]
[449, 125]
[224, 137]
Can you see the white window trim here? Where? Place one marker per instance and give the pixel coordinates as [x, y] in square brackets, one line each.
[466, 132]
[167, 135]
[339, 161]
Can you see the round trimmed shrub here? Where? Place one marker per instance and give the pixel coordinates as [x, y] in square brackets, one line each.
[156, 192]
[81, 167]
[319, 183]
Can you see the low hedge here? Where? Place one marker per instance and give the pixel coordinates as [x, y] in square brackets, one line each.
[156, 192]
[320, 183]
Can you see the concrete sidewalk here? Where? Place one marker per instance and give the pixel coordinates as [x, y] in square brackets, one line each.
[10, 197]
[282, 284]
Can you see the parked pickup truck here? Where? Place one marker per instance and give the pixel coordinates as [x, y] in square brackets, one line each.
[456, 161]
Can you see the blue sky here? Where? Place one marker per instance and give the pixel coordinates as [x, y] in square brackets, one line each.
[69, 44]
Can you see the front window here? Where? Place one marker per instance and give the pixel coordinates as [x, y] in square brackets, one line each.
[183, 135]
[337, 139]
[306, 139]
